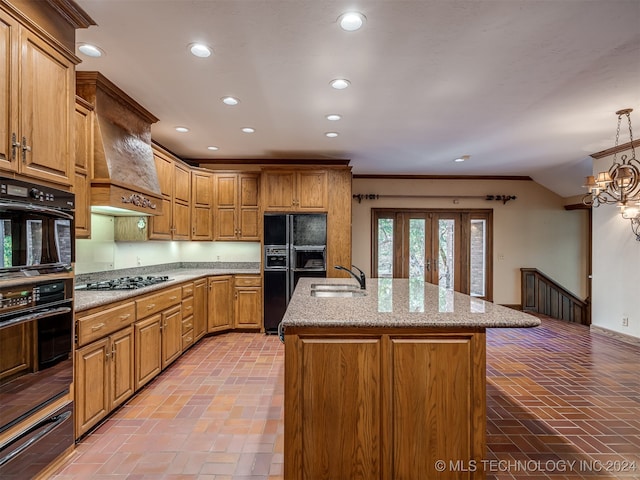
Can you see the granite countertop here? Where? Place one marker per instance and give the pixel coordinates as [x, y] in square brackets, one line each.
[400, 303]
[86, 299]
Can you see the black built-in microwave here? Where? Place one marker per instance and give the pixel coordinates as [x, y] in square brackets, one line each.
[36, 229]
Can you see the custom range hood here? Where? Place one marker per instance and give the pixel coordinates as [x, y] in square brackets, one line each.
[124, 179]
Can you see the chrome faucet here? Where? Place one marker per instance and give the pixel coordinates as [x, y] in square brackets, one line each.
[360, 278]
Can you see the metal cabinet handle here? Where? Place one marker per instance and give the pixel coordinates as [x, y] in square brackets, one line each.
[150, 306]
[173, 298]
[25, 148]
[124, 317]
[428, 265]
[14, 146]
[97, 327]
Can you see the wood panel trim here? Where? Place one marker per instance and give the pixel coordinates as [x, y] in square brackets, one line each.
[541, 294]
[618, 149]
[267, 161]
[444, 177]
[72, 13]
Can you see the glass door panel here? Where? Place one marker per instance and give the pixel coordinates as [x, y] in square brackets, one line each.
[478, 258]
[446, 253]
[385, 251]
[417, 248]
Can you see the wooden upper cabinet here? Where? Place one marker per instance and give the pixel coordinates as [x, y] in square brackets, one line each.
[297, 191]
[181, 229]
[182, 183]
[175, 186]
[236, 206]
[8, 95]
[160, 225]
[37, 92]
[201, 205]
[83, 142]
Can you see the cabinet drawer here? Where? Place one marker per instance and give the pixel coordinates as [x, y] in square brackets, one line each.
[187, 324]
[187, 307]
[187, 290]
[187, 340]
[157, 302]
[248, 281]
[98, 325]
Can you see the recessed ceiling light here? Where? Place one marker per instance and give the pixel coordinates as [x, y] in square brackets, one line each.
[340, 83]
[331, 134]
[213, 147]
[182, 129]
[462, 158]
[230, 101]
[90, 50]
[333, 117]
[200, 50]
[248, 130]
[351, 21]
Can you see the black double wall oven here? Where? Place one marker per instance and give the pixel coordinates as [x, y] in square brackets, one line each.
[36, 326]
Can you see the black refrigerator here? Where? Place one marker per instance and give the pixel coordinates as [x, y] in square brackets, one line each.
[295, 246]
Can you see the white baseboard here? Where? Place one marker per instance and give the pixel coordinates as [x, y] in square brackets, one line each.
[617, 335]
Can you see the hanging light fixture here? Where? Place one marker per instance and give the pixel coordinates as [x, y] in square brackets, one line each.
[620, 185]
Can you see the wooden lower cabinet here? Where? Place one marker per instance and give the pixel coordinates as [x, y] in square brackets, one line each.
[219, 303]
[247, 301]
[199, 309]
[104, 377]
[171, 335]
[148, 334]
[383, 405]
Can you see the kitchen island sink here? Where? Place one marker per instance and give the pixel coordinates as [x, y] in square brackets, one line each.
[387, 385]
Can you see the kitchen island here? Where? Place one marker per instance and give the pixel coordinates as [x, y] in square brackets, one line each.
[387, 383]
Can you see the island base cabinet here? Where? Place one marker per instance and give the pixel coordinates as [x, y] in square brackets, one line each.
[384, 405]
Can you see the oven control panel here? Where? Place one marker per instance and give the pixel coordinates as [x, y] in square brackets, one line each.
[11, 299]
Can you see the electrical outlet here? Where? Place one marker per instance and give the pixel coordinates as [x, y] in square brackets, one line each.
[625, 321]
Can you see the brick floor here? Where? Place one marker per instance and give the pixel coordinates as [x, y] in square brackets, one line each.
[562, 403]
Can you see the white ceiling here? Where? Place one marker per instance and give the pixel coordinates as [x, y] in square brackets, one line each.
[526, 87]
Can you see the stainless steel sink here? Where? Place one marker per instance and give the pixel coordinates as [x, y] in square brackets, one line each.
[338, 293]
[334, 286]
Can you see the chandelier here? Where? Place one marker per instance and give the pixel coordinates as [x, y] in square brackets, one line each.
[620, 185]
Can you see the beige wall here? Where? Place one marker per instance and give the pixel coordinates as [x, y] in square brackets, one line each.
[616, 262]
[532, 231]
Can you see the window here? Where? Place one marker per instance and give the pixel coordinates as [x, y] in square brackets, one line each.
[450, 248]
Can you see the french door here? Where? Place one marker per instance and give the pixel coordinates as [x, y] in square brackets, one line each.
[450, 248]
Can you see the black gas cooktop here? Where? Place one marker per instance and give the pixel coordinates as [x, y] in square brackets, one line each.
[124, 283]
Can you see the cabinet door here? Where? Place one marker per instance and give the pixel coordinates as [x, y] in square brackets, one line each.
[199, 309]
[148, 353]
[46, 102]
[248, 307]
[182, 183]
[160, 226]
[8, 91]
[248, 208]
[171, 335]
[219, 303]
[278, 191]
[181, 221]
[83, 143]
[312, 191]
[122, 371]
[91, 385]
[226, 197]
[201, 205]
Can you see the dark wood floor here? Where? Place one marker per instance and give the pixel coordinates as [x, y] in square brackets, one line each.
[562, 403]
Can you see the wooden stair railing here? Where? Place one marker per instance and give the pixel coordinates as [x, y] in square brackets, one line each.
[541, 294]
